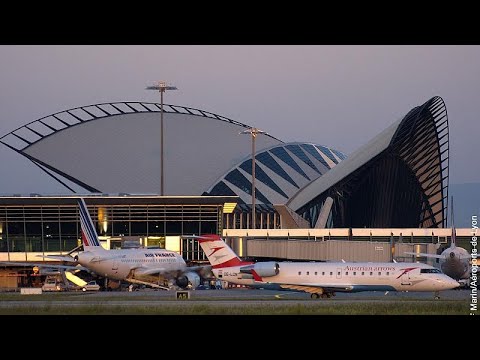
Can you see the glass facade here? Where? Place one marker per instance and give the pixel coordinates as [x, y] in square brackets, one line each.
[282, 154]
[222, 189]
[56, 228]
[339, 154]
[285, 176]
[328, 153]
[266, 159]
[261, 176]
[38, 229]
[313, 151]
[302, 156]
[240, 181]
[265, 214]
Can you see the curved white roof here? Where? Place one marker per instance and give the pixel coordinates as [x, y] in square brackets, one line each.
[120, 152]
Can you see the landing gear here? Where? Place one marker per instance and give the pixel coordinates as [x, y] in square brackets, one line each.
[322, 295]
[437, 295]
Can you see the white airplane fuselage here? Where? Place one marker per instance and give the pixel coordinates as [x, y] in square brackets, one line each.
[349, 277]
[121, 264]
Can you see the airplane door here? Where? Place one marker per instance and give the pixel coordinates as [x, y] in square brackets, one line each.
[406, 280]
[339, 273]
[115, 265]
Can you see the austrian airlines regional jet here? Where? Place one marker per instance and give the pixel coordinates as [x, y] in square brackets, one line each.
[140, 266]
[322, 279]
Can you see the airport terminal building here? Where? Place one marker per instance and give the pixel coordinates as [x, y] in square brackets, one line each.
[398, 179]
[111, 155]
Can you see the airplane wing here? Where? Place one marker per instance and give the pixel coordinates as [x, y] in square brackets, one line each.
[40, 265]
[149, 271]
[162, 271]
[314, 289]
[426, 255]
[199, 268]
[105, 258]
[58, 257]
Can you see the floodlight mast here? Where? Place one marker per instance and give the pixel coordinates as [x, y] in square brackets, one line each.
[161, 87]
[253, 133]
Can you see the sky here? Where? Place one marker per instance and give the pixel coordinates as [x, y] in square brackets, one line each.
[338, 96]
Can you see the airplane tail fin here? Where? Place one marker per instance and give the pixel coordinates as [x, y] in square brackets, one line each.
[453, 240]
[218, 252]
[89, 234]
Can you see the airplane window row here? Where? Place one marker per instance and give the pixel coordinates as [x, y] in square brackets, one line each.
[146, 260]
[362, 273]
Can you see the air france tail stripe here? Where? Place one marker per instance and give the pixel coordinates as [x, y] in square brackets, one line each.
[89, 235]
[87, 231]
[87, 227]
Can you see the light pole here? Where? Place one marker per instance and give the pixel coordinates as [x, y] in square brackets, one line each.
[253, 132]
[161, 87]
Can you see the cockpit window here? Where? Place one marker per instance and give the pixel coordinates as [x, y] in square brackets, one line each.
[430, 271]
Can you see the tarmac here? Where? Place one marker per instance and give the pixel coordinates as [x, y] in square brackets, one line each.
[230, 297]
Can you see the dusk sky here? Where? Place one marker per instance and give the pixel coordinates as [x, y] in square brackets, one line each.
[338, 96]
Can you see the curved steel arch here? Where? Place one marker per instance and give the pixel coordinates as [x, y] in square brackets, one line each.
[51, 124]
[404, 185]
[27, 135]
[422, 142]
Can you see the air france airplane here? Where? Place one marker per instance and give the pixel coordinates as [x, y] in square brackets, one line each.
[141, 266]
[322, 279]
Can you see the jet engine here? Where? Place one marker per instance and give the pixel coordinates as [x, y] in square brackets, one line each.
[263, 269]
[188, 279]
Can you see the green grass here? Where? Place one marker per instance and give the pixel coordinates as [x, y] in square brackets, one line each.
[412, 308]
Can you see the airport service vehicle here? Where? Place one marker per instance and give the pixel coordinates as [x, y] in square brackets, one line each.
[322, 279]
[91, 286]
[52, 284]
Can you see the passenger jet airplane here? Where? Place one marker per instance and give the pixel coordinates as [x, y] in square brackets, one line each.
[138, 266]
[322, 279]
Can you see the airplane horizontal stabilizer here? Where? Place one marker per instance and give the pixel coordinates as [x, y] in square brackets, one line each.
[42, 265]
[426, 255]
[58, 257]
